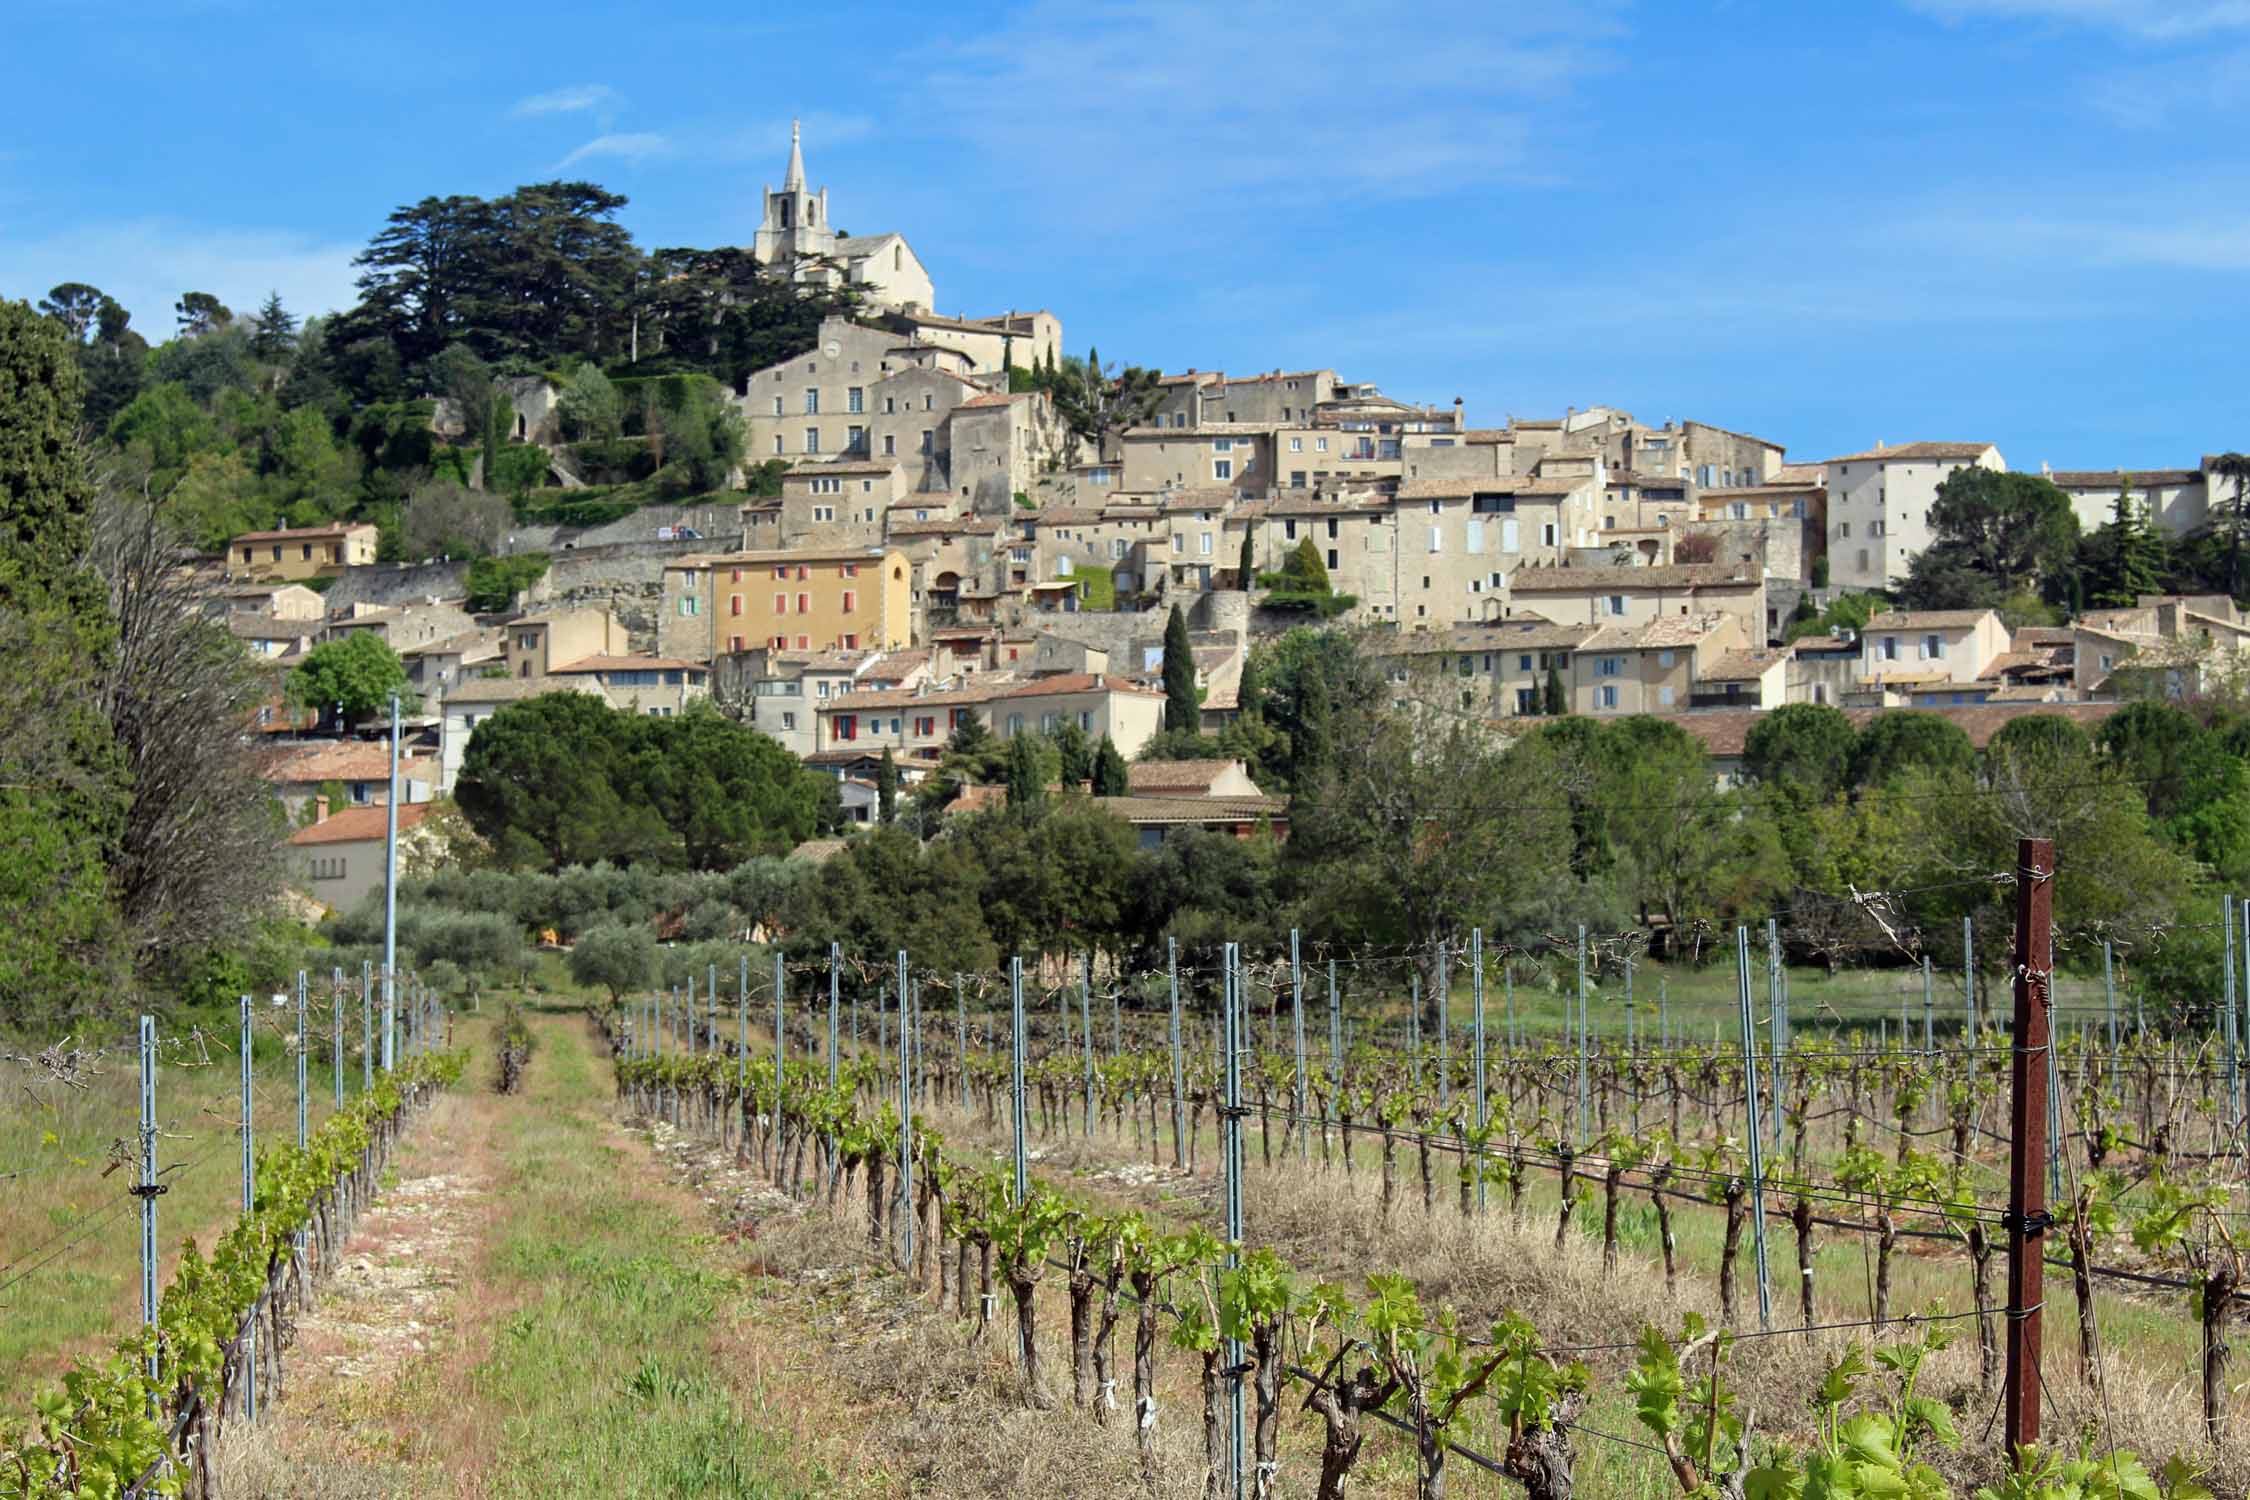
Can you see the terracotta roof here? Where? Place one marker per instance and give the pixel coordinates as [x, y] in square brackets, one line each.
[850, 466]
[267, 628]
[1532, 634]
[2106, 479]
[817, 850]
[1663, 632]
[357, 825]
[1925, 619]
[358, 760]
[1195, 810]
[511, 689]
[1916, 453]
[1279, 375]
[1725, 730]
[772, 555]
[1814, 474]
[627, 664]
[981, 690]
[1677, 576]
[994, 399]
[304, 533]
[1511, 484]
[1176, 775]
[1078, 682]
[978, 797]
[1740, 666]
[1760, 491]
[1486, 435]
[898, 662]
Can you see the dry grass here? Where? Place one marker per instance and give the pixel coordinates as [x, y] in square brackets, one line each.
[1331, 1228]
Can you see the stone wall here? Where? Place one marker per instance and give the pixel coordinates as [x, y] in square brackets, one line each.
[388, 585]
[1777, 545]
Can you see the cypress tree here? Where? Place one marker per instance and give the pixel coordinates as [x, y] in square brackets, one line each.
[1027, 788]
[886, 788]
[1110, 776]
[1183, 712]
[1248, 567]
[1555, 700]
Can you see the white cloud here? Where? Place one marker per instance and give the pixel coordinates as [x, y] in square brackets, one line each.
[2149, 20]
[570, 100]
[630, 146]
[1175, 119]
[147, 264]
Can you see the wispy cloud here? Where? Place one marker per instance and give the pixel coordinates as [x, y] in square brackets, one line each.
[570, 100]
[2150, 20]
[2197, 87]
[628, 146]
[147, 264]
[1190, 117]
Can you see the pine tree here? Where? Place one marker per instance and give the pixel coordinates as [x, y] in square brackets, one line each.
[1555, 701]
[1183, 711]
[277, 331]
[1110, 776]
[2125, 558]
[886, 788]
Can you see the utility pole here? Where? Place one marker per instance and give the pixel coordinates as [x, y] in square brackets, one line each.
[390, 900]
[2027, 1220]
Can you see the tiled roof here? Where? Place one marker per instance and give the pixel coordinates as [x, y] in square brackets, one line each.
[1510, 484]
[848, 466]
[2106, 479]
[980, 690]
[995, 399]
[818, 850]
[1925, 619]
[627, 664]
[1917, 453]
[770, 556]
[1194, 810]
[1725, 730]
[1078, 682]
[304, 533]
[1741, 666]
[510, 690]
[1677, 576]
[358, 760]
[1814, 474]
[1176, 775]
[266, 628]
[358, 825]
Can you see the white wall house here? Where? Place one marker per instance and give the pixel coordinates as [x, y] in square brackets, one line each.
[1879, 506]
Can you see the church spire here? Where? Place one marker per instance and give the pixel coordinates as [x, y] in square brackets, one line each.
[795, 181]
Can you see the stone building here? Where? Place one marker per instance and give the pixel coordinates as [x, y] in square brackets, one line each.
[803, 599]
[1879, 506]
[798, 236]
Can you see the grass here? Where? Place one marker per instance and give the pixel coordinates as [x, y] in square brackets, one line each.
[68, 1229]
[617, 1294]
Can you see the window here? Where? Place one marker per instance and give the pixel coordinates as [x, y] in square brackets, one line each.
[890, 406]
[1613, 604]
[1437, 538]
[1222, 468]
[804, 604]
[1296, 479]
[788, 719]
[812, 440]
[1933, 647]
[1890, 648]
[1605, 697]
[1468, 666]
[690, 605]
[1666, 658]
[927, 403]
[1296, 445]
[1332, 528]
[1546, 533]
[777, 406]
[1320, 445]
[890, 445]
[1664, 697]
[734, 604]
[1289, 530]
[812, 402]
[851, 601]
[926, 444]
[856, 437]
[1609, 666]
[781, 607]
[851, 570]
[1523, 662]
[1510, 540]
[1332, 557]
[847, 726]
[1204, 543]
[1476, 536]
[1843, 528]
[855, 400]
[1223, 445]
[1015, 724]
[925, 726]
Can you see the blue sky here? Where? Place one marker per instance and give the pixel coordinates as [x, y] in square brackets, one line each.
[2024, 221]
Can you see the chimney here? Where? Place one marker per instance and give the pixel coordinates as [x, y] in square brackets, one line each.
[320, 809]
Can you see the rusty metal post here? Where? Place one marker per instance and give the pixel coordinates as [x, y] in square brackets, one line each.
[2027, 1219]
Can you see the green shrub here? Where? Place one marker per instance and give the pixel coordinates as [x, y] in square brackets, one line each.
[517, 467]
[1097, 589]
[618, 462]
[494, 582]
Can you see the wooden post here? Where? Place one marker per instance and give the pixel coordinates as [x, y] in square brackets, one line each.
[2027, 1220]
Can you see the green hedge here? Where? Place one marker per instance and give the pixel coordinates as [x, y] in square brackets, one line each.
[494, 582]
[516, 468]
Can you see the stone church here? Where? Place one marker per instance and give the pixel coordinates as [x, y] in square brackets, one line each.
[799, 235]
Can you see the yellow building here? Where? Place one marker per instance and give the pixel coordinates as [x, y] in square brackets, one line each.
[805, 599]
[301, 552]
